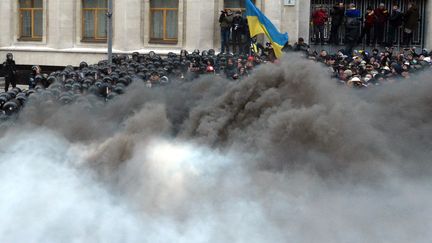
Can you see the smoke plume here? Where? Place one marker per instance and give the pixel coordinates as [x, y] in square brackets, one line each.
[285, 155]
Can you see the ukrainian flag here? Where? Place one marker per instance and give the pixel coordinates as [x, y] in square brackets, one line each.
[260, 24]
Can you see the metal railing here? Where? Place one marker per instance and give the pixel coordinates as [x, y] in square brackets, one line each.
[362, 5]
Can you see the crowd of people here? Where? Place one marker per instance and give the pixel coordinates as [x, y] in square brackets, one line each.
[234, 32]
[361, 69]
[108, 81]
[364, 69]
[368, 28]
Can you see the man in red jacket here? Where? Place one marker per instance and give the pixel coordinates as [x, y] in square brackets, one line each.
[369, 22]
[381, 14]
[319, 18]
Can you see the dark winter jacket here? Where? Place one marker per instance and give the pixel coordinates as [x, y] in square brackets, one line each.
[337, 16]
[352, 24]
[381, 16]
[396, 18]
[225, 20]
[411, 18]
[238, 24]
[9, 68]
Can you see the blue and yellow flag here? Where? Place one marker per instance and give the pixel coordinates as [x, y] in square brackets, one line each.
[260, 24]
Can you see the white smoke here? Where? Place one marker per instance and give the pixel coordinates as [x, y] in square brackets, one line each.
[179, 192]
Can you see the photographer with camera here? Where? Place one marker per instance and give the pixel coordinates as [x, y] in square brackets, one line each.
[237, 31]
[225, 20]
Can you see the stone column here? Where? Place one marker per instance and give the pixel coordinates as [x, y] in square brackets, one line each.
[61, 27]
[273, 11]
[6, 23]
[295, 20]
[200, 27]
[207, 18]
[193, 24]
[127, 21]
[428, 27]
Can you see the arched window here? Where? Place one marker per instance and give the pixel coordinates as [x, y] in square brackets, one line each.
[31, 19]
[94, 20]
[164, 21]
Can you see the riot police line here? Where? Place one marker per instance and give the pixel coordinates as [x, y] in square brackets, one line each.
[108, 81]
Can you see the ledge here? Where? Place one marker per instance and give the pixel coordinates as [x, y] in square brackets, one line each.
[84, 50]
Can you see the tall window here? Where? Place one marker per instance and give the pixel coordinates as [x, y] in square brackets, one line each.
[94, 20]
[164, 21]
[31, 19]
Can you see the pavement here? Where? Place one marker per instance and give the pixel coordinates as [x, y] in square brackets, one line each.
[2, 85]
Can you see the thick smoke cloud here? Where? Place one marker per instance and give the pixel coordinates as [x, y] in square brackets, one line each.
[285, 155]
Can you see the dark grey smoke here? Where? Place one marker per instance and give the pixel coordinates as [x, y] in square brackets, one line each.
[283, 156]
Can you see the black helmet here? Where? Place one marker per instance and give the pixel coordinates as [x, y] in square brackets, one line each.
[21, 99]
[83, 65]
[29, 92]
[56, 92]
[12, 94]
[11, 107]
[65, 99]
[152, 54]
[135, 56]
[76, 86]
[107, 79]
[68, 86]
[119, 89]
[3, 101]
[9, 56]
[123, 81]
[17, 89]
[51, 80]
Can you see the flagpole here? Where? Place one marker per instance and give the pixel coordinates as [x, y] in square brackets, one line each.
[110, 30]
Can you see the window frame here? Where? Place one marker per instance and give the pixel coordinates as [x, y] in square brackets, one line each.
[32, 10]
[164, 39]
[96, 38]
[243, 10]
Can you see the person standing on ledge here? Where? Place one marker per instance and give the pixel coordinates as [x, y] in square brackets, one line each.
[225, 20]
[337, 18]
[352, 28]
[10, 71]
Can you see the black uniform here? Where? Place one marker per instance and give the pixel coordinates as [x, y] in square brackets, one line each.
[337, 18]
[9, 68]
